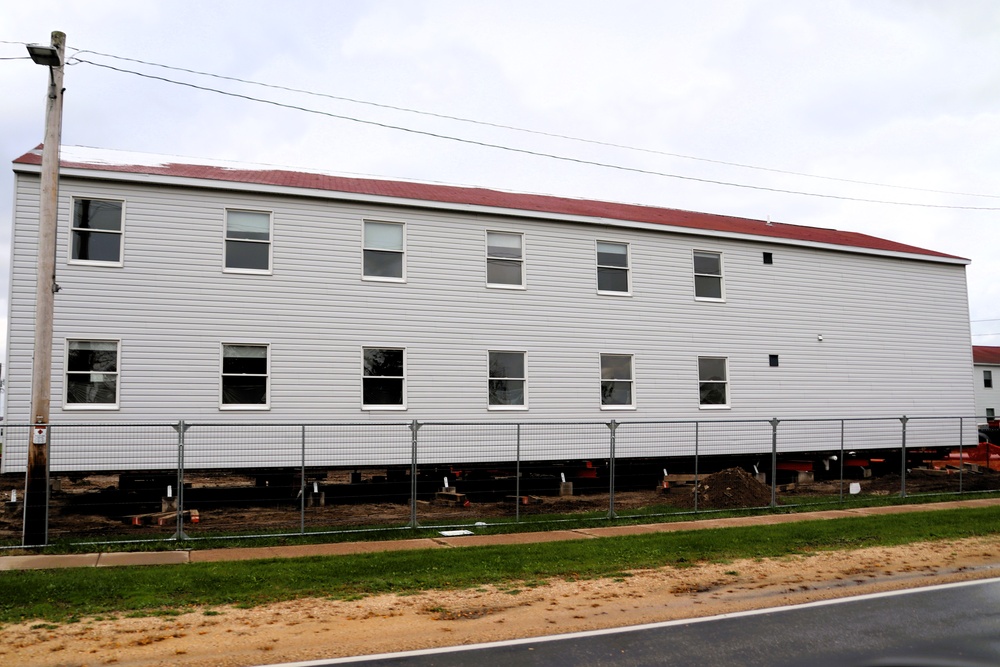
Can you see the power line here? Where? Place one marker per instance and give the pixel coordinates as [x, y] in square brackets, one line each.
[529, 131]
[525, 151]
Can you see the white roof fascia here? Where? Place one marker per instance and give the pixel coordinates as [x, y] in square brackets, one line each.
[241, 186]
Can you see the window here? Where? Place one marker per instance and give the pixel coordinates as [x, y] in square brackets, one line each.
[991, 413]
[612, 268]
[768, 258]
[244, 376]
[708, 275]
[616, 381]
[383, 251]
[772, 360]
[384, 378]
[97, 231]
[504, 259]
[507, 381]
[988, 379]
[248, 241]
[712, 382]
[91, 374]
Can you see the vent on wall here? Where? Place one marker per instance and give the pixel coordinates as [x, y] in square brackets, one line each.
[768, 258]
[772, 359]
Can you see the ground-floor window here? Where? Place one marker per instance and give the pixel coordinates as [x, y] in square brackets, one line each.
[383, 382]
[92, 373]
[617, 381]
[507, 380]
[245, 375]
[713, 382]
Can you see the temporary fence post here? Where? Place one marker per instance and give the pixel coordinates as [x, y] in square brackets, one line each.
[841, 460]
[774, 462]
[517, 479]
[302, 486]
[181, 429]
[697, 487]
[902, 465]
[613, 425]
[414, 427]
[961, 460]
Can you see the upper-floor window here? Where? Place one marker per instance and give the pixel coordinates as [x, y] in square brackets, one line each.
[384, 254]
[713, 382]
[504, 259]
[248, 241]
[245, 371]
[988, 379]
[613, 268]
[507, 380]
[97, 231]
[617, 390]
[708, 275]
[91, 374]
[383, 382]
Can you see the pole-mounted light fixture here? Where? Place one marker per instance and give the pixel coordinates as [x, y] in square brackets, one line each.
[43, 54]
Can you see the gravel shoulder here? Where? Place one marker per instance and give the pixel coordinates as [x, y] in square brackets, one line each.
[317, 628]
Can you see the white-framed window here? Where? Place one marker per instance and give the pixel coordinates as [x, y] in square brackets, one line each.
[617, 382]
[92, 374]
[508, 380]
[383, 381]
[613, 274]
[245, 382]
[384, 254]
[708, 283]
[991, 413]
[987, 379]
[505, 259]
[248, 241]
[98, 231]
[713, 382]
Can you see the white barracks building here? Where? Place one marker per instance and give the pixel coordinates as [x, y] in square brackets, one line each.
[211, 291]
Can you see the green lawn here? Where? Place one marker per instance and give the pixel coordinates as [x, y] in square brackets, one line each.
[66, 595]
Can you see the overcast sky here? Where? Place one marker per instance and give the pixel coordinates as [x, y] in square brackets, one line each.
[896, 92]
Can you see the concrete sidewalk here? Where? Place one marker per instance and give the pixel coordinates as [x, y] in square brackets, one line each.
[114, 559]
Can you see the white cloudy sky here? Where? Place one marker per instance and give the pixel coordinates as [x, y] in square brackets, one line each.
[898, 92]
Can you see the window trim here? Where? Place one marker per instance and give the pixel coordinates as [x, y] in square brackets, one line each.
[600, 374]
[987, 379]
[364, 248]
[267, 386]
[270, 241]
[721, 276]
[66, 405]
[501, 407]
[729, 398]
[523, 261]
[379, 407]
[627, 268]
[72, 231]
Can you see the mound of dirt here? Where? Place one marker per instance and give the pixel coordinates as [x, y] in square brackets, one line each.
[733, 488]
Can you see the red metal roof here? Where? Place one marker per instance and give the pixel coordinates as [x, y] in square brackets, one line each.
[984, 354]
[495, 199]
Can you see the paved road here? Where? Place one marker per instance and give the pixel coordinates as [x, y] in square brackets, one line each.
[954, 625]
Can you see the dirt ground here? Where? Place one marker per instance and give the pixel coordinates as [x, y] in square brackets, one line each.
[318, 628]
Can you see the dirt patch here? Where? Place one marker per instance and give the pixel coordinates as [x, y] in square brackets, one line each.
[733, 488]
[317, 628]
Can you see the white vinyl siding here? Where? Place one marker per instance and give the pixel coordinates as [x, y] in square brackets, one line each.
[384, 251]
[248, 241]
[98, 231]
[172, 306]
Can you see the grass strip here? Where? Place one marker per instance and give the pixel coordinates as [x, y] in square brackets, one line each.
[71, 594]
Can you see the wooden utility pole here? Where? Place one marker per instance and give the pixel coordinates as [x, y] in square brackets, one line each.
[36, 485]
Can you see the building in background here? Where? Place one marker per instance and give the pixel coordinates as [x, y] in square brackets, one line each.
[201, 290]
[986, 361]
